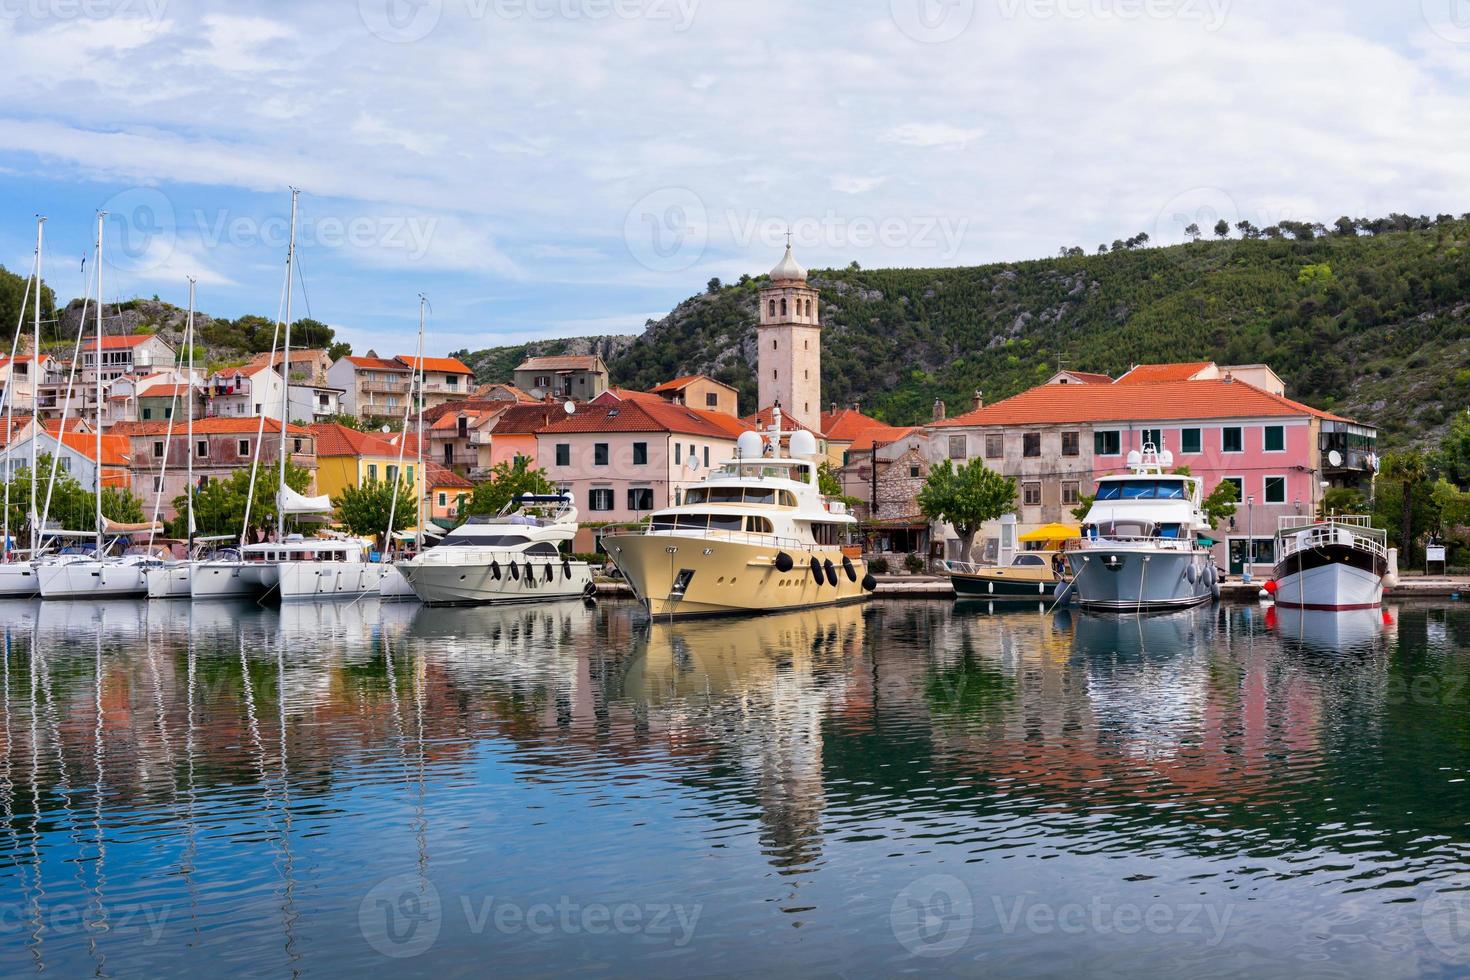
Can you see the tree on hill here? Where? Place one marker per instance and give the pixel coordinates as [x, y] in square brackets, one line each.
[1192, 230]
[966, 498]
[12, 291]
[508, 480]
[1222, 229]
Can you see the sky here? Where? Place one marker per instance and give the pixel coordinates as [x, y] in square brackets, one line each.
[546, 168]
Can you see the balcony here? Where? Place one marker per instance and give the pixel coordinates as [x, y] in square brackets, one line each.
[391, 387]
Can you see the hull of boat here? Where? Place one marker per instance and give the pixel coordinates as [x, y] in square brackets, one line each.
[694, 576]
[317, 580]
[1001, 589]
[19, 580]
[395, 584]
[449, 584]
[1130, 580]
[1330, 578]
[92, 580]
[224, 580]
[170, 581]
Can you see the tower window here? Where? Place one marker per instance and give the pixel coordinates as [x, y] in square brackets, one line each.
[773, 307]
[775, 345]
[783, 306]
[808, 307]
[775, 375]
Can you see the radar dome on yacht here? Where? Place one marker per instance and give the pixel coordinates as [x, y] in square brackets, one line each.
[1135, 458]
[1166, 459]
[803, 443]
[788, 268]
[748, 446]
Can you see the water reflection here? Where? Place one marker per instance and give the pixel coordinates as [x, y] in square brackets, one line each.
[230, 787]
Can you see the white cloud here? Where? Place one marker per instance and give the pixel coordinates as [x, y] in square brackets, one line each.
[932, 134]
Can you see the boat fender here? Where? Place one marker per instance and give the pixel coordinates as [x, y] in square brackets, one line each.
[495, 570]
[784, 562]
[530, 573]
[1211, 578]
[1062, 594]
[566, 568]
[848, 569]
[1191, 574]
[550, 575]
[869, 582]
[831, 571]
[515, 571]
[817, 571]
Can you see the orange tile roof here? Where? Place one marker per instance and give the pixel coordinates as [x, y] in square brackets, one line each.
[440, 476]
[216, 425]
[335, 439]
[22, 359]
[1048, 404]
[528, 419]
[444, 365]
[483, 392]
[165, 391]
[679, 384]
[628, 395]
[880, 435]
[120, 343]
[451, 420]
[643, 416]
[377, 363]
[1091, 377]
[846, 424]
[116, 450]
[1144, 374]
[571, 362]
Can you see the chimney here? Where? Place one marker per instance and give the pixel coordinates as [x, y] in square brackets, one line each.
[857, 407]
[938, 410]
[978, 402]
[833, 409]
[1229, 378]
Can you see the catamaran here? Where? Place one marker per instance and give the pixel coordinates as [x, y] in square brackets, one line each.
[757, 536]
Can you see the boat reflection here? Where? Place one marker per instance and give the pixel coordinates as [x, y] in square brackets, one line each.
[1348, 631]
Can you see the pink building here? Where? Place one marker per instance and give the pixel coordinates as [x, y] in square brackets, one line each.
[622, 461]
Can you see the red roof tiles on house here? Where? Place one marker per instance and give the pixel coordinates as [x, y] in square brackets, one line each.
[1164, 401]
[765, 418]
[1144, 374]
[529, 419]
[119, 343]
[576, 362]
[846, 424]
[880, 435]
[335, 439]
[443, 365]
[440, 477]
[377, 364]
[217, 425]
[642, 416]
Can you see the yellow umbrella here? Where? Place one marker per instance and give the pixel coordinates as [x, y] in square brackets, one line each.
[1052, 533]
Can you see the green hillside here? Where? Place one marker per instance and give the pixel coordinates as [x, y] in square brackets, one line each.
[1376, 326]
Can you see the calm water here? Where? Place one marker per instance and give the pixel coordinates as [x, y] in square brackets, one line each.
[342, 790]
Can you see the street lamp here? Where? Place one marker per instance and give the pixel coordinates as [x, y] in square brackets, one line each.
[1250, 530]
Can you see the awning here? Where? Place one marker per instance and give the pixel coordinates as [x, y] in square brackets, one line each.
[1052, 532]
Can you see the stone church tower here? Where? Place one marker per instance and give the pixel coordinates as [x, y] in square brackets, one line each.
[790, 338]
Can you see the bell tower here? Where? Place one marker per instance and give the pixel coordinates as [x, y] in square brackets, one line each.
[790, 339]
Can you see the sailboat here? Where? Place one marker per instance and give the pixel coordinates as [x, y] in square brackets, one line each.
[172, 579]
[98, 577]
[18, 579]
[393, 583]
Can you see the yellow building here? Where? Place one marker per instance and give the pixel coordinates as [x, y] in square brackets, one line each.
[349, 458]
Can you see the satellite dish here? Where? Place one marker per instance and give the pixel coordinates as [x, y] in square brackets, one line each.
[570, 408]
[1335, 458]
[694, 463]
[386, 429]
[748, 446]
[803, 444]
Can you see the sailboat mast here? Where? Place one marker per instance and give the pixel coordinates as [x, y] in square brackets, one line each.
[418, 534]
[97, 371]
[35, 389]
[189, 439]
[286, 374]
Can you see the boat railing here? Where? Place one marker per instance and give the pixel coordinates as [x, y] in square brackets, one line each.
[1132, 540]
[952, 566]
[1357, 522]
[733, 537]
[1319, 534]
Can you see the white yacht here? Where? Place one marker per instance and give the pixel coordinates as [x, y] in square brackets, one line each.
[512, 557]
[1140, 547]
[757, 536]
[311, 568]
[1331, 565]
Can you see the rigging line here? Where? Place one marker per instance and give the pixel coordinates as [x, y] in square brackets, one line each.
[260, 424]
[7, 400]
[71, 380]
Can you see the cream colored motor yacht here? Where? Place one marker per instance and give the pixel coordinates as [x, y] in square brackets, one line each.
[757, 536]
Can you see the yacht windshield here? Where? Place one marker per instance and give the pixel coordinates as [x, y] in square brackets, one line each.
[1142, 490]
